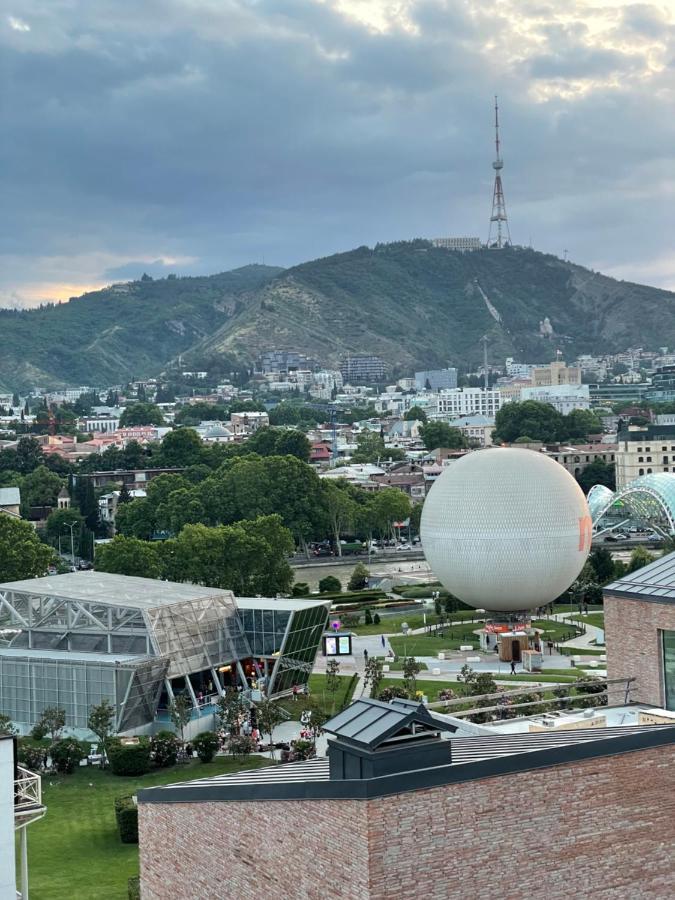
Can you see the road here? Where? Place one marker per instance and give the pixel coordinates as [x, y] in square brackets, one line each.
[401, 568]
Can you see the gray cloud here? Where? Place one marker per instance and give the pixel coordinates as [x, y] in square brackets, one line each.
[182, 135]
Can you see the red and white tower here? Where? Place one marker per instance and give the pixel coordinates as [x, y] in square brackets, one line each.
[499, 235]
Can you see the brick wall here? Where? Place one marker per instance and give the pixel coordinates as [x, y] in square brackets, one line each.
[252, 851]
[634, 646]
[601, 828]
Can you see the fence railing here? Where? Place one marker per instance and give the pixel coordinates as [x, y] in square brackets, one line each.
[27, 791]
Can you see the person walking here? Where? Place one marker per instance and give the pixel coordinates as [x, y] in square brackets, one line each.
[365, 655]
[513, 667]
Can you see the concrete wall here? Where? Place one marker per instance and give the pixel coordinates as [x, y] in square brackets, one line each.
[634, 646]
[601, 828]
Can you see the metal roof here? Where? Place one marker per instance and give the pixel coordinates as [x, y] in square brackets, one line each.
[114, 590]
[10, 496]
[370, 722]
[655, 582]
[283, 604]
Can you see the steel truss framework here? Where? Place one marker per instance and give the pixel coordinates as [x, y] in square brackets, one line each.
[128, 653]
[649, 499]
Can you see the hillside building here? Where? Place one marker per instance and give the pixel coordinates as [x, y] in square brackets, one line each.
[436, 380]
[563, 397]
[555, 373]
[464, 402]
[362, 369]
[459, 244]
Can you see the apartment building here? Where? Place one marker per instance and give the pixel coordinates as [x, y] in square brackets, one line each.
[464, 402]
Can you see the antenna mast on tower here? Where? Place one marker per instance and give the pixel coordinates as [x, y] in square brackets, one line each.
[498, 218]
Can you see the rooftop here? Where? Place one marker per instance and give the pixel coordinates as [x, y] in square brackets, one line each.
[470, 758]
[655, 582]
[10, 496]
[114, 590]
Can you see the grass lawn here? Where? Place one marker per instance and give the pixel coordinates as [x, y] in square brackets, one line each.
[596, 618]
[319, 697]
[581, 651]
[427, 645]
[397, 665]
[569, 675]
[75, 852]
[429, 688]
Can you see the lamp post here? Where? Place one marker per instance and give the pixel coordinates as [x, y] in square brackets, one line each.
[72, 543]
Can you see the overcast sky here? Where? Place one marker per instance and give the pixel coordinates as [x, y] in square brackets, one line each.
[193, 136]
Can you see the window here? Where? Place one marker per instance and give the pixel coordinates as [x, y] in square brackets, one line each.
[641, 459]
[649, 471]
[664, 449]
[665, 460]
[649, 459]
[669, 669]
[641, 472]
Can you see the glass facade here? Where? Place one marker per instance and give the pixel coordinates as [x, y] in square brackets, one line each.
[669, 668]
[264, 629]
[294, 665]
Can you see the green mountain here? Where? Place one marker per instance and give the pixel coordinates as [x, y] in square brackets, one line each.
[410, 303]
[109, 336]
[417, 305]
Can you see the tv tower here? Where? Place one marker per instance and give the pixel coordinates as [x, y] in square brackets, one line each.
[503, 236]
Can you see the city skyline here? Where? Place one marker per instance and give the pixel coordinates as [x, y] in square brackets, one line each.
[183, 137]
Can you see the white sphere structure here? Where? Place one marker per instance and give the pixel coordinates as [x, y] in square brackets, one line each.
[506, 529]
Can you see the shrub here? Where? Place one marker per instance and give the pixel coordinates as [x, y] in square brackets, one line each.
[368, 618]
[134, 888]
[206, 745]
[376, 619]
[359, 578]
[300, 589]
[38, 731]
[303, 749]
[126, 813]
[390, 693]
[129, 759]
[32, 757]
[330, 585]
[241, 745]
[164, 749]
[66, 754]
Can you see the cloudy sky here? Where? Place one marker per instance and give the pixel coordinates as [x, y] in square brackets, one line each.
[193, 136]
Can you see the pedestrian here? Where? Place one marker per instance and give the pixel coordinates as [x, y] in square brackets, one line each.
[295, 693]
[513, 667]
[365, 655]
[384, 643]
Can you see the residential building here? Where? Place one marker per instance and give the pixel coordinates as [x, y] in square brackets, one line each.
[618, 393]
[400, 785]
[320, 453]
[100, 424]
[108, 504]
[362, 369]
[563, 397]
[463, 402]
[519, 370]
[477, 429]
[10, 501]
[283, 361]
[460, 244]
[133, 478]
[555, 373]
[406, 477]
[243, 424]
[662, 389]
[643, 451]
[138, 642]
[436, 380]
[511, 389]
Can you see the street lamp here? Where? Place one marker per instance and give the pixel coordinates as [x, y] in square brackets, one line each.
[72, 544]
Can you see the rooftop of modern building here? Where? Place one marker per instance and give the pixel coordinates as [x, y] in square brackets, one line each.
[10, 496]
[654, 582]
[283, 604]
[114, 590]
[469, 758]
[646, 432]
[73, 656]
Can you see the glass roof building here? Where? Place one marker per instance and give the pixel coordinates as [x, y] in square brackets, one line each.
[73, 640]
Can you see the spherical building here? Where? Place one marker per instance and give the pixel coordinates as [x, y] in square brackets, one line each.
[506, 529]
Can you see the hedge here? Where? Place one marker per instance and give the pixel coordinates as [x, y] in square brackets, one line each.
[129, 759]
[126, 813]
[134, 888]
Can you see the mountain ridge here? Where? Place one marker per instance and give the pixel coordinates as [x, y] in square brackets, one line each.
[409, 302]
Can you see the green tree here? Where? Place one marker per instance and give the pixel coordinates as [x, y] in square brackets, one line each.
[389, 505]
[340, 508]
[22, 553]
[40, 488]
[29, 455]
[128, 556]
[329, 585]
[58, 526]
[440, 434]
[359, 578]
[269, 715]
[580, 423]
[52, 721]
[141, 414]
[370, 448]
[540, 421]
[194, 413]
[101, 721]
[603, 565]
[411, 669]
[180, 713]
[87, 503]
[332, 680]
[6, 726]
[206, 745]
[415, 414]
[182, 447]
[597, 472]
[373, 675]
[230, 712]
[639, 557]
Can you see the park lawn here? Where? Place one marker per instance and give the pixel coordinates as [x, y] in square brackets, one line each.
[553, 629]
[74, 852]
[396, 665]
[429, 688]
[582, 651]
[454, 636]
[596, 618]
[319, 697]
[392, 624]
